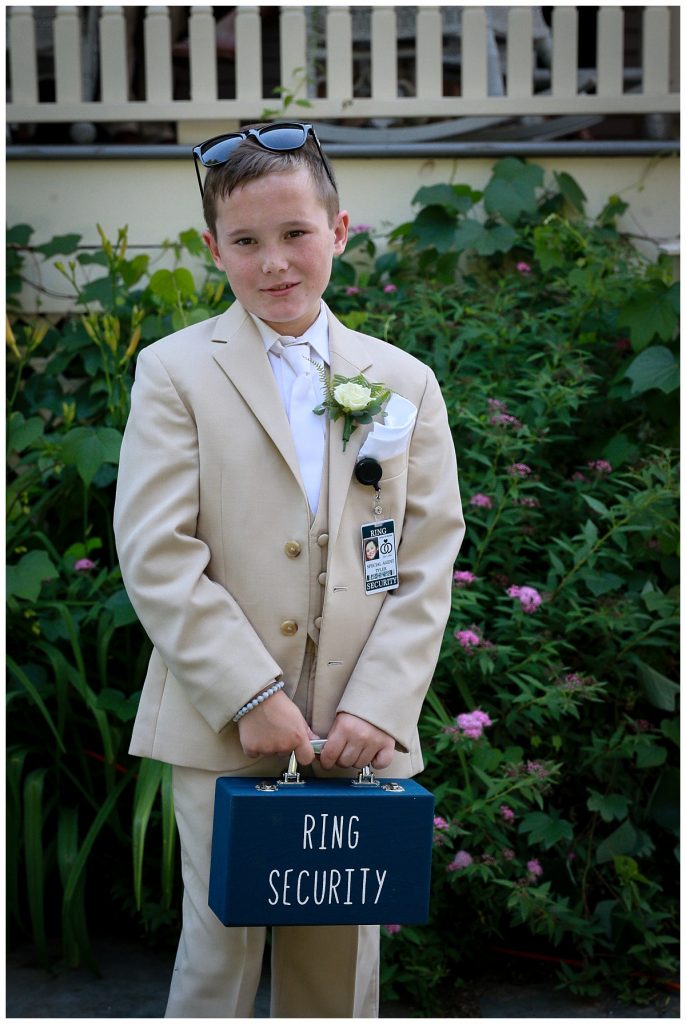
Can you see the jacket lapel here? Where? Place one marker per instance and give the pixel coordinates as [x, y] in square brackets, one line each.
[241, 354]
[348, 358]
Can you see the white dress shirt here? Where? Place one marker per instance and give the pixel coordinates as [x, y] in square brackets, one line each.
[317, 337]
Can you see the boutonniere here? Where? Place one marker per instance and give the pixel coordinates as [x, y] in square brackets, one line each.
[356, 399]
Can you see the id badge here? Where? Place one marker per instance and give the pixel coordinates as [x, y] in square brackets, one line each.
[379, 556]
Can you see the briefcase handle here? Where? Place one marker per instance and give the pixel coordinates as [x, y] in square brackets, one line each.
[291, 776]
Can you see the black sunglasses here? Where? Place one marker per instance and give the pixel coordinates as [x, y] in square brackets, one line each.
[281, 137]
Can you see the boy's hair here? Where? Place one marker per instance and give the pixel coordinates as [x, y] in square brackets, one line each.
[250, 161]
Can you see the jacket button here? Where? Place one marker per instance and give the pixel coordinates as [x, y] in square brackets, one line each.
[323, 540]
[292, 548]
[322, 578]
[289, 627]
[318, 622]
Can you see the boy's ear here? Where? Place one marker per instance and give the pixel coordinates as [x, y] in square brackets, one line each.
[211, 243]
[340, 229]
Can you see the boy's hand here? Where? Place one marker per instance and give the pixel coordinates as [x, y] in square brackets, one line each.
[276, 727]
[353, 743]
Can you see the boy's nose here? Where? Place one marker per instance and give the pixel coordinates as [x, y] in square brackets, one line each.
[274, 262]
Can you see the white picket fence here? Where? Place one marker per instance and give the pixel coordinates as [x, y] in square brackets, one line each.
[322, 47]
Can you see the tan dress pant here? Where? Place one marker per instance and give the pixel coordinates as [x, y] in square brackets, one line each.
[328, 971]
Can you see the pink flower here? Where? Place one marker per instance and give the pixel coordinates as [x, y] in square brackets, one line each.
[578, 476]
[508, 854]
[84, 565]
[519, 469]
[473, 723]
[481, 501]
[353, 290]
[462, 578]
[441, 823]
[503, 419]
[537, 769]
[527, 502]
[496, 405]
[529, 598]
[534, 868]
[523, 268]
[389, 288]
[393, 929]
[467, 638]
[506, 813]
[358, 229]
[461, 860]
[600, 465]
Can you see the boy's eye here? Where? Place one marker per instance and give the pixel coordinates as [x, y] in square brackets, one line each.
[244, 241]
[296, 233]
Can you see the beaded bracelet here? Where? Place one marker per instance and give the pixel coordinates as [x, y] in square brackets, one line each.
[269, 692]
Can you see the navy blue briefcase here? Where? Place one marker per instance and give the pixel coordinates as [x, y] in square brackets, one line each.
[321, 851]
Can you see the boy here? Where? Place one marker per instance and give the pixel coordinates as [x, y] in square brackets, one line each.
[238, 519]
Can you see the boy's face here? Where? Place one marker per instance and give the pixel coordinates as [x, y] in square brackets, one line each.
[276, 245]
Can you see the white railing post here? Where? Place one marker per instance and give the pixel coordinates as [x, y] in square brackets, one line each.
[23, 60]
[67, 34]
[429, 61]
[655, 51]
[384, 46]
[610, 50]
[474, 56]
[113, 67]
[520, 52]
[248, 53]
[158, 63]
[565, 34]
[203, 53]
[339, 54]
[293, 31]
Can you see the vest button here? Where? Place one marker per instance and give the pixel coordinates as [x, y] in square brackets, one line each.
[318, 622]
[323, 540]
[289, 627]
[292, 548]
[322, 578]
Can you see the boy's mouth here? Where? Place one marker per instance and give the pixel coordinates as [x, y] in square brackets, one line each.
[279, 289]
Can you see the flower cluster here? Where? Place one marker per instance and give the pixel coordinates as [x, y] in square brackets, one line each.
[460, 861]
[481, 501]
[392, 929]
[600, 466]
[507, 814]
[473, 723]
[462, 578]
[523, 268]
[504, 419]
[467, 638]
[528, 597]
[534, 868]
[519, 469]
[527, 502]
[84, 565]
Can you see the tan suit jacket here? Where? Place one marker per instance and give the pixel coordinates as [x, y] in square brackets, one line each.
[209, 494]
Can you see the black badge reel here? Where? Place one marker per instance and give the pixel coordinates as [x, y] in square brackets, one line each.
[368, 472]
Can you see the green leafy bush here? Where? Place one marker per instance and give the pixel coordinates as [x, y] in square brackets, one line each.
[550, 733]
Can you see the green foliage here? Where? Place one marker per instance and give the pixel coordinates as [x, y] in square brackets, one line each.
[76, 653]
[557, 807]
[554, 345]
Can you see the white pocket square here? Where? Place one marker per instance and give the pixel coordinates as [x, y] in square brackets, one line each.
[392, 436]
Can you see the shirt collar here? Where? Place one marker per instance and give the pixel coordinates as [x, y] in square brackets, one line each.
[316, 336]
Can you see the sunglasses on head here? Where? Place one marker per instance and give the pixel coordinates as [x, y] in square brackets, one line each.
[281, 137]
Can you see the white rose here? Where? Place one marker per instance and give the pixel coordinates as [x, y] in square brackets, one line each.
[353, 397]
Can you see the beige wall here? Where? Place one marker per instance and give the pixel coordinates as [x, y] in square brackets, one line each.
[158, 199]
